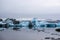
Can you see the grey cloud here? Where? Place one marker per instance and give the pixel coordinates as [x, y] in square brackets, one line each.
[30, 8]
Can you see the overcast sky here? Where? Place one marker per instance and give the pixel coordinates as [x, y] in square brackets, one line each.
[30, 8]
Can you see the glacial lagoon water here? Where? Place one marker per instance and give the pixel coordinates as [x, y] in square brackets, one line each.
[29, 34]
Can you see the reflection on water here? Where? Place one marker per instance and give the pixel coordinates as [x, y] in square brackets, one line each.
[29, 34]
